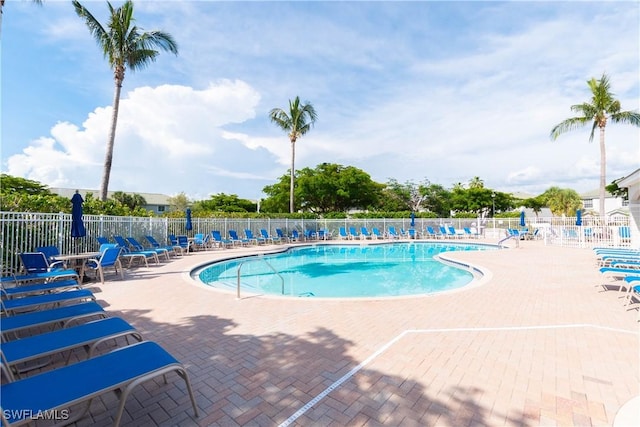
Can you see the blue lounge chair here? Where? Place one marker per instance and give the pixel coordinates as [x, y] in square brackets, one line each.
[469, 233]
[376, 233]
[177, 250]
[137, 247]
[38, 288]
[219, 240]
[255, 239]
[40, 301]
[353, 234]
[412, 233]
[268, 238]
[102, 240]
[342, 233]
[295, 236]
[50, 253]
[40, 277]
[281, 235]
[233, 236]
[393, 234]
[126, 251]
[88, 335]
[110, 258]
[120, 370]
[37, 262]
[364, 232]
[625, 233]
[61, 315]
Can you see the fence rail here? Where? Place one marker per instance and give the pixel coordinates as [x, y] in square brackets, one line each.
[24, 231]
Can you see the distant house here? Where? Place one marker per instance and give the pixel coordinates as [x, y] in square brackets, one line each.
[156, 203]
[613, 206]
[632, 183]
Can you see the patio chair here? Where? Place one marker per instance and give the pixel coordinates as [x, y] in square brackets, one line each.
[55, 316]
[131, 254]
[295, 236]
[393, 234]
[18, 354]
[364, 232]
[469, 233]
[110, 258]
[19, 279]
[233, 236]
[183, 242]
[56, 299]
[49, 252]
[37, 262]
[267, 237]
[251, 238]
[219, 240]
[120, 370]
[432, 232]
[177, 250]
[39, 288]
[137, 247]
[376, 233]
[281, 235]
[342, 233]
[353, 234]
[199, 241]
[625, 234]
[102, 240]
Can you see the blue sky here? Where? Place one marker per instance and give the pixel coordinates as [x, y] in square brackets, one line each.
[443, 91]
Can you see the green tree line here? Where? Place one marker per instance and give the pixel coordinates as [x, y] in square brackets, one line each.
[328, 190]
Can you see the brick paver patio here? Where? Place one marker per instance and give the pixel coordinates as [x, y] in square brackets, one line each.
[537, 343]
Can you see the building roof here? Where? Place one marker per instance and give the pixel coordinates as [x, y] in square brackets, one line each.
[150, 198]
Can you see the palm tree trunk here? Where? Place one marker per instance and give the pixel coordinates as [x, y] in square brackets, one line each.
[108, 157]
[603, 172]
[293, 159]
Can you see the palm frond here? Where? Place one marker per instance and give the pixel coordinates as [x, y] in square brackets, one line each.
[567, 125]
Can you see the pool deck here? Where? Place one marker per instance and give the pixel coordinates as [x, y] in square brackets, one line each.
[537, 343]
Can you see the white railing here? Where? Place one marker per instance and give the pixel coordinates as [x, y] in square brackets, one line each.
[24, 231]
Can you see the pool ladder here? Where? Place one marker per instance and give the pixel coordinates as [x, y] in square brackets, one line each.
[238, 273]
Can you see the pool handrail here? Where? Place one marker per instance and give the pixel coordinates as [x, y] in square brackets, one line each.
[256, 259]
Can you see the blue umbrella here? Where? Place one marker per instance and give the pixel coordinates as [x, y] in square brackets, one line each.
[578, 217]
[188, 226]
[413, 219]
[522, 221]
[77, 225]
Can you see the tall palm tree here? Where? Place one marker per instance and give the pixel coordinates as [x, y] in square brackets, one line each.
[603, 107]
[124, 45]
[297, 122]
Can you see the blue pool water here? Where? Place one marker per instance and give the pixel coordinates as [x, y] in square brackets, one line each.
[343, 271]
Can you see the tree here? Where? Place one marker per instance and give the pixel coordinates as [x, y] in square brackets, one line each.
[124, 45]
[603, 107]
[298, 122]
[535, 203]
[562, 201]
[335, 188]
[225, 203]
[133, 201]
[179, 202]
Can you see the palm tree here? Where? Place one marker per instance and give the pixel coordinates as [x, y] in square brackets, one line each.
[603, 107]
[124, 45]
[298, 122]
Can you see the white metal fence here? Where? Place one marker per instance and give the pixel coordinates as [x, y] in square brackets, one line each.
[23, 232]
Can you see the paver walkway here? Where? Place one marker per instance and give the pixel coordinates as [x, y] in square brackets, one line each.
[537, 343]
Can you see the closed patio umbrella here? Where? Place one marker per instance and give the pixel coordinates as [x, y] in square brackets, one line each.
[413, 219]
[77, 224]
[188, 226]
[522, 220]
[578, 217]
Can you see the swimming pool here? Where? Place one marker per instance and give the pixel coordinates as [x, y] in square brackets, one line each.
[343, 271]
